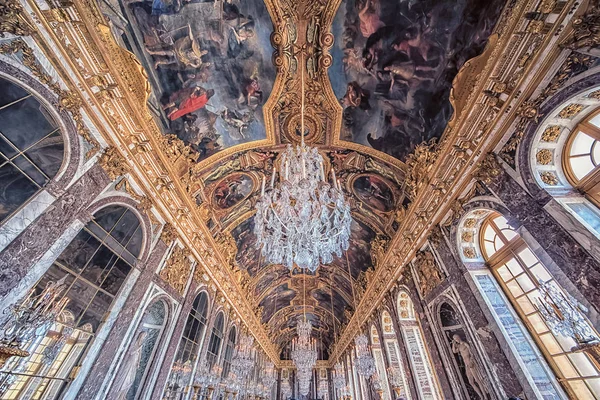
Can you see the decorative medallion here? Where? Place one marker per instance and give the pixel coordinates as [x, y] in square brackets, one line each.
[232, 190]
[467, 236]
[551, 133]
[595, 95]
[469, 252]
[470, 223]
[544, 156]
[549, 178]
[570, 111]
[373, 191]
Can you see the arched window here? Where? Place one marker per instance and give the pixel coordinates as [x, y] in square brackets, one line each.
[519, 273]
[132, 374]
[192, 337]
[420, 362]
[379, 362]
[393, 352]
[31, 147]
[216, 337]
[94, 265]
[564, 158]
[229, 352]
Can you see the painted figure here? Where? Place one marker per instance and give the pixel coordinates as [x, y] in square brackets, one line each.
[187, 100]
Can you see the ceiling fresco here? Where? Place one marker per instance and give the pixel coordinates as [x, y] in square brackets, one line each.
[209, 65]
[394, 62]
[379, 75]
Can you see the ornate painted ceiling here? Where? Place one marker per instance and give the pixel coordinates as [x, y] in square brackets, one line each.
[224, 88]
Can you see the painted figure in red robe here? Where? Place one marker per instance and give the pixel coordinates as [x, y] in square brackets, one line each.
[187, 100]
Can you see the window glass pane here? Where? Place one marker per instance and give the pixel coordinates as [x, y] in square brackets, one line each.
[489, 234]
[551, 344]
[527, 257]
[107, 217]
[541, 273]
[9, 92]
[525, 283]
[490, 250]
[581, 166]
[504, 273]
[26, 167]
[583, 364]
[565, 366]
[514, 267]
[501, 222]
[538, 323]
[15, 190]
[596, 153]
[81, 249]
[509, 233]
[581, 390]
[582, 144]
[526, 305]
[24, 123]
[514, 288]
[47, 154]
[498, 243]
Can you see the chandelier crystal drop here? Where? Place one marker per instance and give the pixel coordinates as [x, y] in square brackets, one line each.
[302, 219]
[364, 359]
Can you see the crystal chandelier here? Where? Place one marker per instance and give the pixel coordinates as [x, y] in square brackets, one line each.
[243, 360]
[269, 378]
[304, 354]
[302, 220]
[339, 377]
[563, 313]
[364, 359]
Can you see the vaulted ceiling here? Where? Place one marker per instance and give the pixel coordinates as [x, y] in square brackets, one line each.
[379, 83]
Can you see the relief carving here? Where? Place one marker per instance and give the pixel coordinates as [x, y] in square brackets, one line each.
[113, 163]
[177, 269]
[428, 273]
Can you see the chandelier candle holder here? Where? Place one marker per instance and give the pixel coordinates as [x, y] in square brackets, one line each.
[365, 362]
[565, 317]
[31, 318]
[377, 385]
[302, 220]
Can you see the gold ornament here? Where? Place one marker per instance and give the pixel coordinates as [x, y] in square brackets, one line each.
[570, 111]
[551, 133]
[469, 252]
[113, 163]
[549, 178]
[177, 269]
[544, 156]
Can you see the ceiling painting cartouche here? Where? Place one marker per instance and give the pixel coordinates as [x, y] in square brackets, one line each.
[209, 66]
[394, 62]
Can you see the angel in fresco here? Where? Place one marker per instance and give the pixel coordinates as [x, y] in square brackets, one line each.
[369, 18]
[238, 122]
[187, 100]
[238, 37]
[185, 52]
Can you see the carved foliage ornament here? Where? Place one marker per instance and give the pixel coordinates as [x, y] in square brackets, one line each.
[551, 133]
[549, 178]
[427, 271]
[113, 163]
[177, 269]
[418, 165]
[489, 169]
[168, 234]
[12, 20]
[544, 156]
[586, 30]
